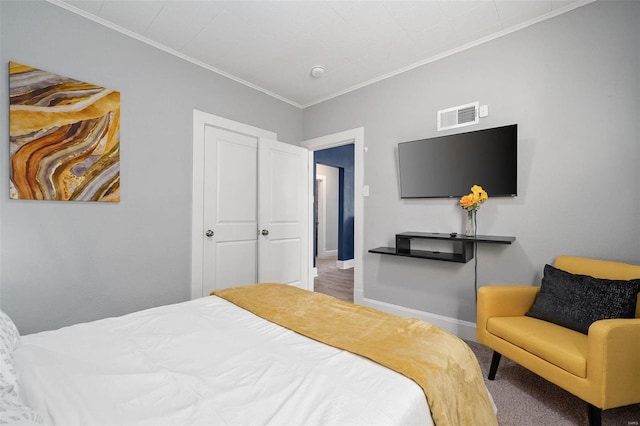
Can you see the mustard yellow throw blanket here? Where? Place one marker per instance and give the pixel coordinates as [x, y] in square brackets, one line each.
[442, 364]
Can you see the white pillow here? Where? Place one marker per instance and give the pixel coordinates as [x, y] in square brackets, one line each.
[17, 414]
[9, 335]
[9, 338]
[12, 409]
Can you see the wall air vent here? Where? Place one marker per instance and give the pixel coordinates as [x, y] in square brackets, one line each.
[459, 116]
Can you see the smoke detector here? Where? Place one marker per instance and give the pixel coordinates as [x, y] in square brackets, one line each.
[317, 71]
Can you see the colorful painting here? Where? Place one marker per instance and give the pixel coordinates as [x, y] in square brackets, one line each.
[64, 138]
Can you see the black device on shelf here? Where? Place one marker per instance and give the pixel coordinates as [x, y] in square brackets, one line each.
[447, 166]
[462, 251]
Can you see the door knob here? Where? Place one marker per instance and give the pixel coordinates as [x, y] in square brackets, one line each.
[209, 233]
[265, 232]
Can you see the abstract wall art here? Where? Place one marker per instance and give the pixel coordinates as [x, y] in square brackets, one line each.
[64, 138]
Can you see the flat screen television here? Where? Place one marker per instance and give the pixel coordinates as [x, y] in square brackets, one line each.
[447, 166]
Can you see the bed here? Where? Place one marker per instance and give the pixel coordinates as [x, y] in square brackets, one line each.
[218, 361]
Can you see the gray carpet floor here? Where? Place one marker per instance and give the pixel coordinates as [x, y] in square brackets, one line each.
[524, 398]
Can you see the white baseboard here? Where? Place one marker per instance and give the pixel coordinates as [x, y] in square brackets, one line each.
[345, 264]
[465, 330]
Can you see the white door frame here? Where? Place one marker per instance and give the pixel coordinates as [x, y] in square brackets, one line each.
[322, 215]
[355, 137]
[200, 121]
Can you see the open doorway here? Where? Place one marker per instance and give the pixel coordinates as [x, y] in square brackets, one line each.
[326, 211]
[354, 137]
[334, 214]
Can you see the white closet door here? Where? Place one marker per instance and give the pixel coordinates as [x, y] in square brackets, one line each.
[230, 209]
[255, 211]
[283, 198]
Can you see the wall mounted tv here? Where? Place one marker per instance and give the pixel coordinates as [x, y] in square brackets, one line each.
[447, 166]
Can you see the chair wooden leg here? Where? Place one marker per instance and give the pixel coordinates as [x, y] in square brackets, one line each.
[595, 416]
[495, 360]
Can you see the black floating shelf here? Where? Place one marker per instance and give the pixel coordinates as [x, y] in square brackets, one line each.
[423, 254]
[462, 246]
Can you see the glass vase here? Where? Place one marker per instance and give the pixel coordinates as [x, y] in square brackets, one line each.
[470, 225]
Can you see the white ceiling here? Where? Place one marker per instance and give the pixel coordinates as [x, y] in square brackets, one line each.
[272, 45]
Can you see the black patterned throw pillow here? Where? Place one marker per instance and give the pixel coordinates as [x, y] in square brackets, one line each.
[576, 301]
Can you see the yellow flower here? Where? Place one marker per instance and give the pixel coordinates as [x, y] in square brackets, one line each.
[467, 201]
[480, 193]
[473, 200]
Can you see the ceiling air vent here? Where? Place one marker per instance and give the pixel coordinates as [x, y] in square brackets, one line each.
[462, 115]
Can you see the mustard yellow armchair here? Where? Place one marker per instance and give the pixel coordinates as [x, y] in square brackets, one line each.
[601, 367]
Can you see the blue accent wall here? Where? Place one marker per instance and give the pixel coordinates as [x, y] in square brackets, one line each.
[341, 157]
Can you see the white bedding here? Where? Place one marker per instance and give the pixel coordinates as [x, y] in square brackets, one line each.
[206, 362]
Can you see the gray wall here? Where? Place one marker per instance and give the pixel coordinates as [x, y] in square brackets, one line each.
[65, 262]
[572, 85]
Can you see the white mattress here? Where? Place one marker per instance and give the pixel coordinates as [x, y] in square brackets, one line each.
[206, 362]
